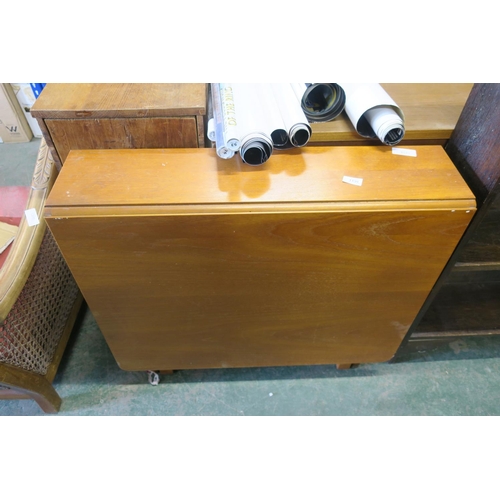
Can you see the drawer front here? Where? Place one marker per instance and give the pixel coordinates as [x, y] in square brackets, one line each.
[122, 133]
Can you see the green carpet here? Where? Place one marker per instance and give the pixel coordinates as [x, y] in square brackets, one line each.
[457, 378]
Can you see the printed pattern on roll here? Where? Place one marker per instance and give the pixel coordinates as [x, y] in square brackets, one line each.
[230, 129]
[220, 146]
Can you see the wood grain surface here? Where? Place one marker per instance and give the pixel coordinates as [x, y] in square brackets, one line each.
[256, 289]
[199, 271]
[431, 112]
[129, 115]
[312, 176]
[122, 133]
[475, 149]
[120, 100]
[475, 144]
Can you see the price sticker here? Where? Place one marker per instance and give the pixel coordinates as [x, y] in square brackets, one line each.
[355, 181]
[32, 217]
[404, 152]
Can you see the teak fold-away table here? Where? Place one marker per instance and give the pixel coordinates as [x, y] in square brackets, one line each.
[322, 255]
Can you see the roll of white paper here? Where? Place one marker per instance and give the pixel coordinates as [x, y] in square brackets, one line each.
[299, 89]
[296, 124]
[211, 129]
[229, 120]
[373, 112]
[387, 124]
[273, 124]
[220, 146]
[253, 124]
[256, 149]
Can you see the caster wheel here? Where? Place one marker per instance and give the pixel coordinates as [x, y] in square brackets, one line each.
[153, 377]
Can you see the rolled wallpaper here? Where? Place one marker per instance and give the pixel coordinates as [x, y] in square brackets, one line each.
[220, 146]
[254, 124]
[373, 112]
[296, 124]
[254, 119]
[211, 129]
[321, 102]
[230, 128]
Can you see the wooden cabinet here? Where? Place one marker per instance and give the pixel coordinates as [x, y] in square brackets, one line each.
[117, 116]
[190, 261]
[466, 298]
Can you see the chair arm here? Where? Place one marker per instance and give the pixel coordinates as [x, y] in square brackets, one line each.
[22, 256]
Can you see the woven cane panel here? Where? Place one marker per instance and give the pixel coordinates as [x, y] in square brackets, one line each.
[31, 332]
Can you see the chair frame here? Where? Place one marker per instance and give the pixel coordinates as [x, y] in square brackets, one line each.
[16, 382]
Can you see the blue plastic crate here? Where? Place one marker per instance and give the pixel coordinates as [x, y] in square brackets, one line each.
[37, 88]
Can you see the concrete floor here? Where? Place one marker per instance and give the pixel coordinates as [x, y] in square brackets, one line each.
[457, 377]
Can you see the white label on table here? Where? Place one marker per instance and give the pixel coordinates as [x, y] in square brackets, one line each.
[355, 181]
[404, 152]
[32, 217]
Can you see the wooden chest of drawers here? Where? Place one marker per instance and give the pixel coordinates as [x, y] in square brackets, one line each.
[190, 261]
[117, 116]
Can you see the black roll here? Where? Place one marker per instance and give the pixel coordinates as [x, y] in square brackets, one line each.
[322, 102]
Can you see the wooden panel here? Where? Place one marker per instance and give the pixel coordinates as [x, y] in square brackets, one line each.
[484, 244]
[120, 100]
[475, 149]
[201, 124]
[431, 113]
[171, 292]
[461, 275]
[464, 307]
[122, 133]
[313, 176]
[475, 144]
[465, 298]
